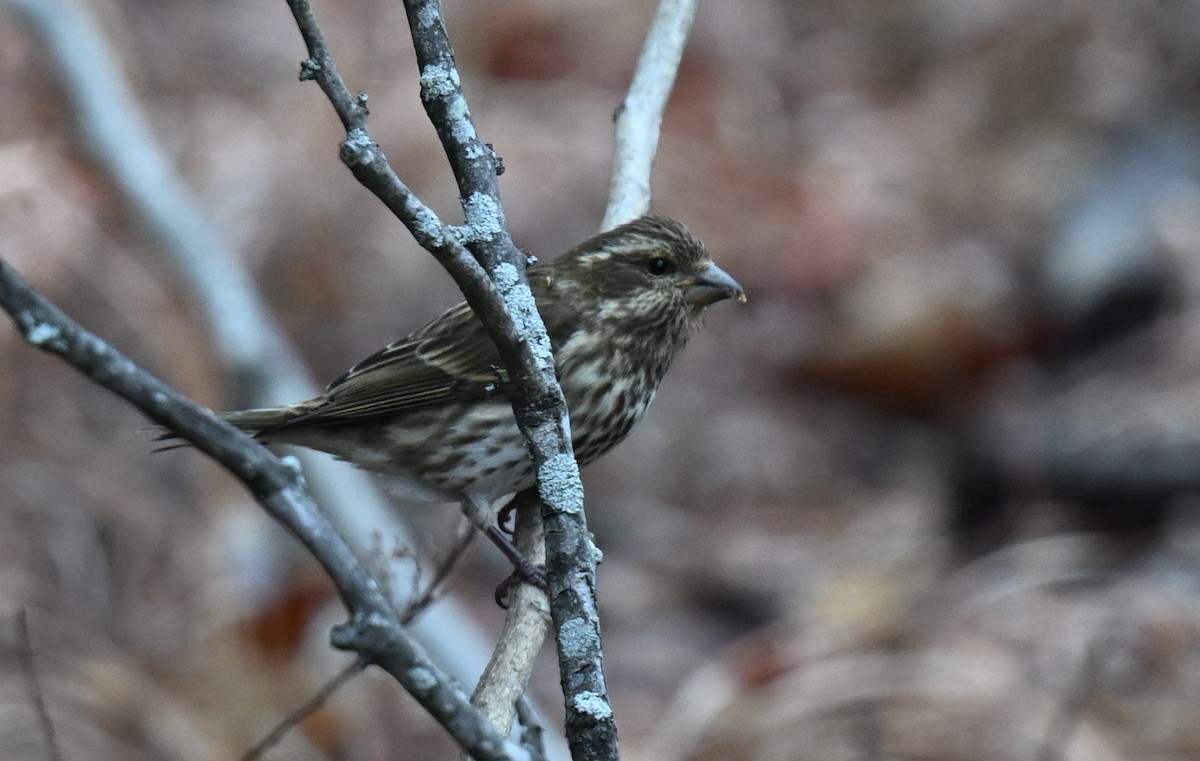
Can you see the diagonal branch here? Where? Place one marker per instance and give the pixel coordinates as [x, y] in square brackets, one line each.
[308, 708]
[117, 135]
[114, 133]
[374, 630]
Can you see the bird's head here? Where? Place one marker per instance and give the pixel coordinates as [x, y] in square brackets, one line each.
[648, 274]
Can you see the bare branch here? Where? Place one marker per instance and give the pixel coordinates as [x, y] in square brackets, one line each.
[302, 712]
[118, 137]
[370, 167]
[532, 735]
[507, 673]
[508, 311]
[374, 629]
[421, 603]
[640, 116]
[418, 604]
[537, 400]
[501, 689]
[499, 293]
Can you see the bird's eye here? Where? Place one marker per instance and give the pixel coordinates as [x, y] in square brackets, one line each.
[660, 266]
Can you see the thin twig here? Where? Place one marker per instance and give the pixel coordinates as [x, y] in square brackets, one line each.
[374, 629]
[510, 315]
[370, 167]
[25, 656]
[417, 605]
[421, 603]
[639, 118]
[533, 736]
[302, 712]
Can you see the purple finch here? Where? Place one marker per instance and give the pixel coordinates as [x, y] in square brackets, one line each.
[430, 410]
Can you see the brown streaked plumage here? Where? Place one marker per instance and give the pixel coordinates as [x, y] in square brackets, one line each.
[430, 410]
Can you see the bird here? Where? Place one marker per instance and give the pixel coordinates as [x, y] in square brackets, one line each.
[431, 413]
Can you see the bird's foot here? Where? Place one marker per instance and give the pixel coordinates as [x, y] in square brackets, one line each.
[524, 569]
[531, 574]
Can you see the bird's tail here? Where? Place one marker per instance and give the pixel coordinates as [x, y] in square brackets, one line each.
[258, 422]
[265, 419]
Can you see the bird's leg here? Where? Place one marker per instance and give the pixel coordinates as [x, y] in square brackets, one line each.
[524, 569]
[479, 513]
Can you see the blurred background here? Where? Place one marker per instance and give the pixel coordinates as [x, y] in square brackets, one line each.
[928, 495]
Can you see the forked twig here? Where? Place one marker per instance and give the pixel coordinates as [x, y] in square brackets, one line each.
[505, 306]
[34, 686]
[416, 606]
[302, 712]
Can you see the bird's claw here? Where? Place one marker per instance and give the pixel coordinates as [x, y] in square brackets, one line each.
[524, 572]
[506, 516]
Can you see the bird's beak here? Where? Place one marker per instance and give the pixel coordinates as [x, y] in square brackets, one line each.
[711, 285]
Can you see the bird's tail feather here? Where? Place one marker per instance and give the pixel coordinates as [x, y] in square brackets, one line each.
[264, 418]
[256, 422]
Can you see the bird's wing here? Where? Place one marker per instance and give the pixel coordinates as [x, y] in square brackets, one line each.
[450, 359]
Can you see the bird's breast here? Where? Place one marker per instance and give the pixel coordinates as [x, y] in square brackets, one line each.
[607, 392]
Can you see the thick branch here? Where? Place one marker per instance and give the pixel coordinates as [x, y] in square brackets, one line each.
[640, 115]
[374, 630]
[538, 402]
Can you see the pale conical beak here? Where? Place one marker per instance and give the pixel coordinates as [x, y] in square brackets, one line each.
[713, 284]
